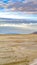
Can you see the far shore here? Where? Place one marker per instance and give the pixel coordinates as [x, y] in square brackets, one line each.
[18, 37]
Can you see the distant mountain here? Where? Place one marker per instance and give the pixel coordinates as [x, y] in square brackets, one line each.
[34, 33]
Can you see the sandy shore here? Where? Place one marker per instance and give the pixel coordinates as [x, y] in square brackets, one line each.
[18, 49]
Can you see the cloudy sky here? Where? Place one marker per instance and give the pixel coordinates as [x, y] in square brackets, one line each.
[19, 9]
[11, 8]
[29, 6]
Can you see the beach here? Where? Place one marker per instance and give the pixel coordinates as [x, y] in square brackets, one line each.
[18, 49]
[18, 32]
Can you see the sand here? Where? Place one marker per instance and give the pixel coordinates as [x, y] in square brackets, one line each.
[18, 49]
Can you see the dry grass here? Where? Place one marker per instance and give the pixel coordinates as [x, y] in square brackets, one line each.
[18, 49]
[28, 37]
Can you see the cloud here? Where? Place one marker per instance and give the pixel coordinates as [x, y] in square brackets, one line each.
[21, 5]
[13, 9]
[18, 15]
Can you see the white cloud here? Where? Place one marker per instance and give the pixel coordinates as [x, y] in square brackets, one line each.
[26, 1]
[17, 15]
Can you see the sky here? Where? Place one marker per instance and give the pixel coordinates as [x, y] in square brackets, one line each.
[29, 6]
[18, 15]
[19, 9]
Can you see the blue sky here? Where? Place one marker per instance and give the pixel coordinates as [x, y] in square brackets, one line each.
[19, 5]
[21, 9]
[5, 1]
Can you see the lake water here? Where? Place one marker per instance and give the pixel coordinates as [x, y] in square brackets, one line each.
[14, 30]
[20, 28]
